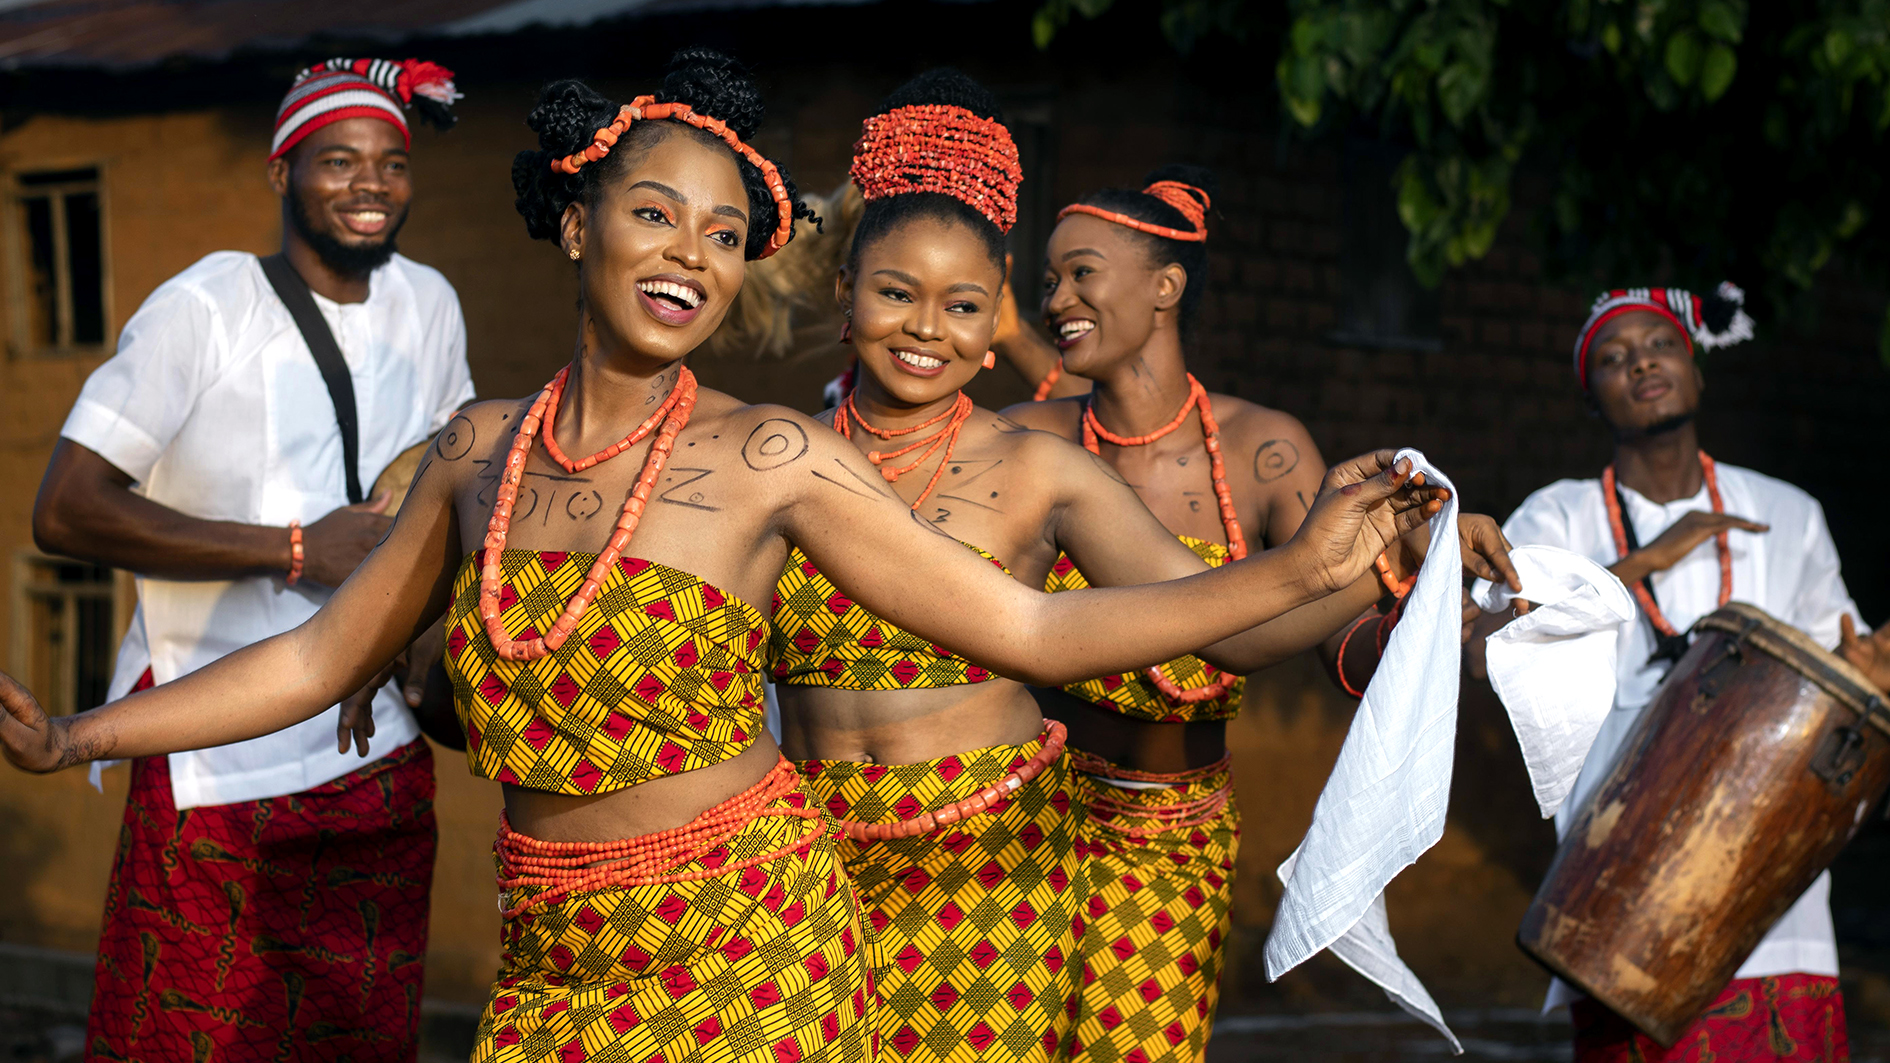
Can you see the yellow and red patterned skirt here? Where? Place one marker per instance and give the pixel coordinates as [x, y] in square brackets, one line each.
[292, 928]
[974, 927]
[1787, 1017]
[752, 953]
[1160, 861]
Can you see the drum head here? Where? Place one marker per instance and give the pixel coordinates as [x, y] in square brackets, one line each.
[1797, 650]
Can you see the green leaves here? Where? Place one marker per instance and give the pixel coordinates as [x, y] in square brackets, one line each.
[1711, 134]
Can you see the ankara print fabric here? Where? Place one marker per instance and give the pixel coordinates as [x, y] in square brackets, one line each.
[292, 928]
[821, 638]
[662, 675]
[761, 965]
[973, 928]
[1131, 693]
[1791, 1017]
[1158, 918]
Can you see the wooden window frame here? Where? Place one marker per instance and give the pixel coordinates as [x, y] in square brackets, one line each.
[18, 260]
[119, 591]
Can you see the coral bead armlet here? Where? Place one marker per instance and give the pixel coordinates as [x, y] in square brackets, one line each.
[674, 414]
[646, 109]
[1230, 520]
[296, 557]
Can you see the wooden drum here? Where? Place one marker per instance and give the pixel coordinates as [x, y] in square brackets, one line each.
[1757, 761]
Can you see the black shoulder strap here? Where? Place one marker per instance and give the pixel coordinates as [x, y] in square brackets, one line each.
[294, 293]
[1669, 648]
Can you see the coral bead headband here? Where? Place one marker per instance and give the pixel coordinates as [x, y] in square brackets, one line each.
[940, 148]
[1192, 202]
[645, 108]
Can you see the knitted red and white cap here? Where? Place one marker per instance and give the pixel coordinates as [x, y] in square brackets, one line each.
[340, 89]
[1712, 321]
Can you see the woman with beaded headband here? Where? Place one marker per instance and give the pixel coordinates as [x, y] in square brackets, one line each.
[1124, 276]
[667, 888]
[952, 790]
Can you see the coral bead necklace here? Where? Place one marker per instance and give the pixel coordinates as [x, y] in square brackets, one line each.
[1236, 542]
[946, 438]
[673, 414]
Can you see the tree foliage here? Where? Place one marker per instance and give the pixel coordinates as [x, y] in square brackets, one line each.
[1682, 139]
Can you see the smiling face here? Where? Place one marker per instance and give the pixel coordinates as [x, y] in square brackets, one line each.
[347, 188]
[1102, 297]
[660, 247]
[1641, 374]
[924, 304]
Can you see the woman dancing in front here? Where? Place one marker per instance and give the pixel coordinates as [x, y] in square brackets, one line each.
[667, 888]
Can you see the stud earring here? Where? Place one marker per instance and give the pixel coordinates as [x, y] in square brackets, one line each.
[575, 254]
[990, 359]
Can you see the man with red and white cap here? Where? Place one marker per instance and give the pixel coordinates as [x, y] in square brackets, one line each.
[1686, 534]
[269, 898]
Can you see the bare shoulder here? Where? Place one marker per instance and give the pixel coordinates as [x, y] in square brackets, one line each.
[1045, 455]
[480, 428]
[1063, 417]
[1273, 441]
[766, 436]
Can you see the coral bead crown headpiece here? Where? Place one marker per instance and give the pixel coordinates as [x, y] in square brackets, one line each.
[940, 148]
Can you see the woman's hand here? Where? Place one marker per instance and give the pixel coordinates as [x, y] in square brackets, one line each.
[32, 740]
[1364, 505]
[1486, 551]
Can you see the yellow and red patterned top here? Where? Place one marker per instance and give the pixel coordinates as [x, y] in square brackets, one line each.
[662, 675]
[822, 638]
[1131, 693]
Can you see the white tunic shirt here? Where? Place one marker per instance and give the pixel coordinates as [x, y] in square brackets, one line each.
[215, 406]
[1790, 572]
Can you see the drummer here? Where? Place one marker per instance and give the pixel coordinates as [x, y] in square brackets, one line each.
[1686, 535]
[194, 458]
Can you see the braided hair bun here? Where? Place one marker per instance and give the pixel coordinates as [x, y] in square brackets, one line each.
[1190, 255]
[569, 114]
[941, 168]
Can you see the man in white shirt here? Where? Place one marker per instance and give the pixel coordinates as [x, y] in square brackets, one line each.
[1686, 534]
[269, 898]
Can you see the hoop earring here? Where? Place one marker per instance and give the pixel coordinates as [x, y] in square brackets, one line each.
[846, 330]
[990, 359]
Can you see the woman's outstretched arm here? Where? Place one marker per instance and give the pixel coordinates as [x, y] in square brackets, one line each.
[395, 594]
[836, 508]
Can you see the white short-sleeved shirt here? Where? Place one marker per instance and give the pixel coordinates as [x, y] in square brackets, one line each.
[1790, 572]
[215, 406]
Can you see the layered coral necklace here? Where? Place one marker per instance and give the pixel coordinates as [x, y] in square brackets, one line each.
[673, 414]
[947, 438]
[1236, 542]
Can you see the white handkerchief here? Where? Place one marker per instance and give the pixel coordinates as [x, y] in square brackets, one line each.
[1385, 801]
[1554, 667]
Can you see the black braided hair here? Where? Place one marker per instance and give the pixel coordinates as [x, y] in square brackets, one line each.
[1190, 255]
[944, 86]
[569, 114]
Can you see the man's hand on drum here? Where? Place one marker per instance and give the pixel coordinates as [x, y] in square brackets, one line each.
[1677, 542]
[1870, 653]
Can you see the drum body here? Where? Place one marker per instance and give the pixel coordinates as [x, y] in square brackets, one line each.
[1757, 761]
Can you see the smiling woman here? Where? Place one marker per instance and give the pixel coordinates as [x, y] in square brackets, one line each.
[668, 887]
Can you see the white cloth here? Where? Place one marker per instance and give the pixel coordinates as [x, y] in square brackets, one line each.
[215, 406]
[1790, 572]
[1554, 667]
[1384, 803]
